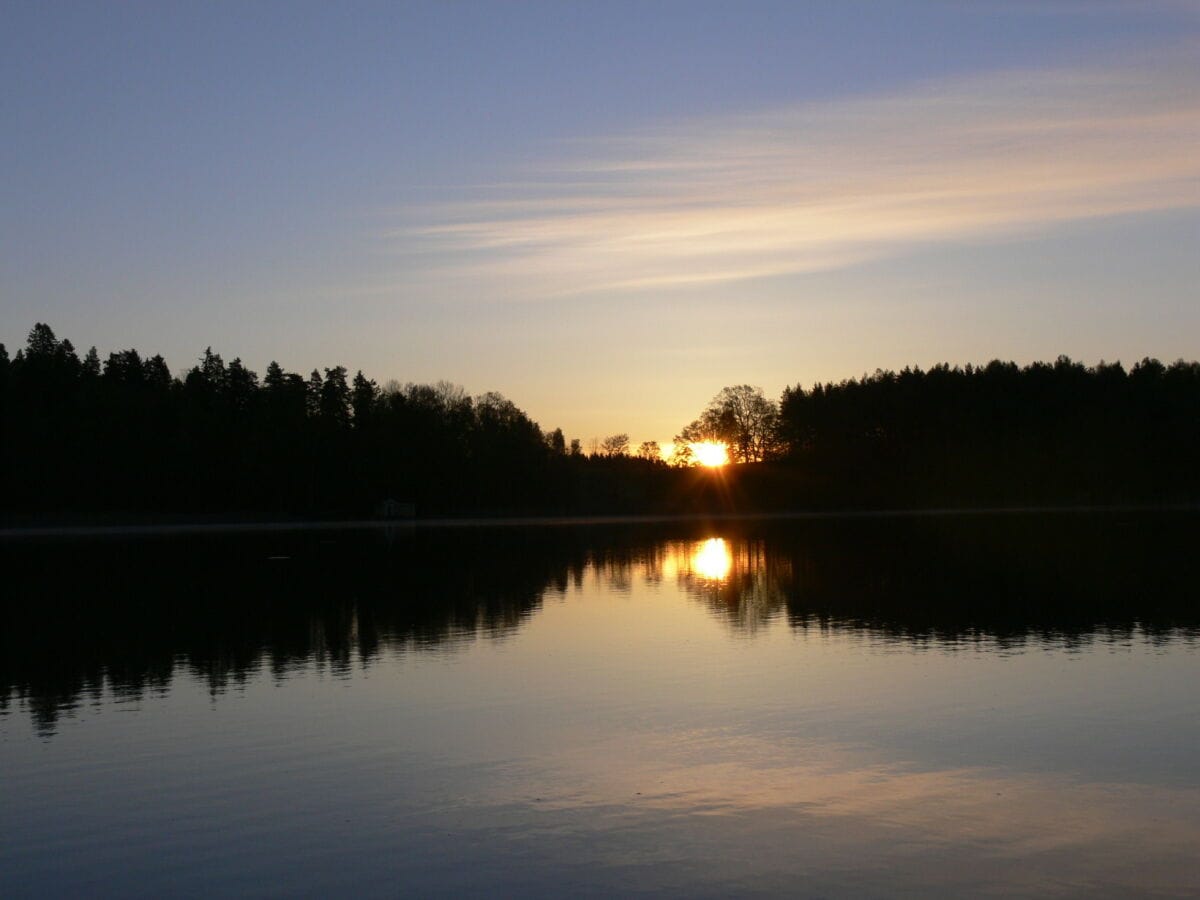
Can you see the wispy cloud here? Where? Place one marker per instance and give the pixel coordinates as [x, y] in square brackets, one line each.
[823, 186]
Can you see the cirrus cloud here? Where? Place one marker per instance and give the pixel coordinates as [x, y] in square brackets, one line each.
[828, 185]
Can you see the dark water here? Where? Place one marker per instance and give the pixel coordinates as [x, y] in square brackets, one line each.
[870, 708]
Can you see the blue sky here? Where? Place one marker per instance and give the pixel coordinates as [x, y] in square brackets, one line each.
[606, 211]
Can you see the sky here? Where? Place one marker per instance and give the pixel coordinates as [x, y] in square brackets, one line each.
[605, 211]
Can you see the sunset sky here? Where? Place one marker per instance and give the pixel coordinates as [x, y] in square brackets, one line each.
[605, 211]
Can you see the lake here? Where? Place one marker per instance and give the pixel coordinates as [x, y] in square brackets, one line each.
[914, 706]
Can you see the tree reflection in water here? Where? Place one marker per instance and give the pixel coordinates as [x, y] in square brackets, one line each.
[739, 580]
[81, 618]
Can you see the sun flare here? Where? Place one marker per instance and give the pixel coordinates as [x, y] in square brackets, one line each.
[710, 453]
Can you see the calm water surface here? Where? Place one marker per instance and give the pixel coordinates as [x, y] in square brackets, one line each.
[825, 708]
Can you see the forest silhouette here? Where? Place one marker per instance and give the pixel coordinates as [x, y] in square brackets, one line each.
[124, 437]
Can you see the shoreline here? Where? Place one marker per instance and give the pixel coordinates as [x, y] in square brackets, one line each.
[202, 526]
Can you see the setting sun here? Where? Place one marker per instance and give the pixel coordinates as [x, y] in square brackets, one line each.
[710, 453]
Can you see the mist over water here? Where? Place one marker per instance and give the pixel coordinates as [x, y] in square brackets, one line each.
[959, 705]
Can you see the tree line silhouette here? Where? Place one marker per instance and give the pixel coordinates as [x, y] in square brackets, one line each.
[126, 436]
[1000, 434]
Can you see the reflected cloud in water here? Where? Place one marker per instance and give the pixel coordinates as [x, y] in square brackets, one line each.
[845, 818]
[698, 709]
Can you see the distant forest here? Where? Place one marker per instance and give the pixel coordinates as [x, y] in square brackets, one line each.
[123, 436]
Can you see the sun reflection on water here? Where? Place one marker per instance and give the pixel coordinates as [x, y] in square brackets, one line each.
[712, 560]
